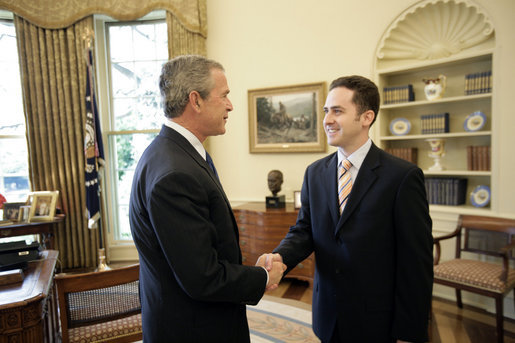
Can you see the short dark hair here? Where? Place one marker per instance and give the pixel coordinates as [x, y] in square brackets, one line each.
[366, 95]
[182, 75]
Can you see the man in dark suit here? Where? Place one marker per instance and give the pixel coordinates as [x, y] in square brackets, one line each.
[193, 287]
[374, 273]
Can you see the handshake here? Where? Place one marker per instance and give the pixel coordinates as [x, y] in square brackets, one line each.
[273, 263]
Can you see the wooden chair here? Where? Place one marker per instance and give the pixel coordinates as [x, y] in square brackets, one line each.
[100, 306]
[490, 236]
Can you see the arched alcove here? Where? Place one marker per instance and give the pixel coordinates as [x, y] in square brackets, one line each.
[435, 29]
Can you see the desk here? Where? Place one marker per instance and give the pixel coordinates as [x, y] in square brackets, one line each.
[28, 309]
[262, 229]
[45, 230]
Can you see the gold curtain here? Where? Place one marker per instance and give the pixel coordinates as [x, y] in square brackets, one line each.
[53, 73]
[182, 40]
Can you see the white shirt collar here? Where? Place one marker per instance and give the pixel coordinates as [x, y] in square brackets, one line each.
[188, 135]
[357, 157]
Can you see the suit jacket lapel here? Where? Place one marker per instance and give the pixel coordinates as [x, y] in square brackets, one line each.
[365, 179]
[330, 175]
[190, 150]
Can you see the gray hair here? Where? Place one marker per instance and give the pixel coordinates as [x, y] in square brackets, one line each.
[182, 75]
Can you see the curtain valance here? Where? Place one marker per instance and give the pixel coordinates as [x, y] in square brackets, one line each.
[51, 14]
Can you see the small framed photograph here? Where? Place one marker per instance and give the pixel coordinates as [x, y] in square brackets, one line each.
[24, 213]
[42, 206]
[287, 119]
[296, 200]
[12, 210]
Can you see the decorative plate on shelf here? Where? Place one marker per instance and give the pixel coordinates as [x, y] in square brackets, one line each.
[480, 196]
[475, 121]
[400, 126]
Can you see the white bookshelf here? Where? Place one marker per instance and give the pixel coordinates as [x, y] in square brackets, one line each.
[405, 57]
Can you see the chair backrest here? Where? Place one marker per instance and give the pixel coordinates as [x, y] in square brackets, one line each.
[97, 297]
[485, 235]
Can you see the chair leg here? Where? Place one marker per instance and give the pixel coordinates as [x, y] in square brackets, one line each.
[458, 298]
[500, 319]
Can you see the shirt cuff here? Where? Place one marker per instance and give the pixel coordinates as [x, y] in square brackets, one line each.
[267, 277]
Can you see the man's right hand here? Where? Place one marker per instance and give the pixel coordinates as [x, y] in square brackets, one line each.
[275, 275]
[273, 263]
[266, 260]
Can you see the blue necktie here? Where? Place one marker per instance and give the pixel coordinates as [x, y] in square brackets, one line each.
[209, 161]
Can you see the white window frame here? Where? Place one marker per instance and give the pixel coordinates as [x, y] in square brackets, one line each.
[118, 250]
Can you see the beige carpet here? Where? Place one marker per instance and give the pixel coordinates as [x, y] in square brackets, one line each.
[280, 320]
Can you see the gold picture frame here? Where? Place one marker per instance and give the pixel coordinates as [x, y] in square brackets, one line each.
[287, 119]
[42, 206]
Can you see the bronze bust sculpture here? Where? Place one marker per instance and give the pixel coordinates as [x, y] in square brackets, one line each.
[275, 180]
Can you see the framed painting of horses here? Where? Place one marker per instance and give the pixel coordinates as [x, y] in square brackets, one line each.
[287, 119]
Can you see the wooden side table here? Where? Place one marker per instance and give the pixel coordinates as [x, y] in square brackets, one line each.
[262, 229]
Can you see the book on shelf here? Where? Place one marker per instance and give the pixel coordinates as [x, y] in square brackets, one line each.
[434, 123]
[450, 191]
[398, 94]
[478, 83]
[408, 154]
[478, 157]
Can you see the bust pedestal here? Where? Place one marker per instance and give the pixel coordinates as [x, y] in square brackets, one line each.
[275, 201]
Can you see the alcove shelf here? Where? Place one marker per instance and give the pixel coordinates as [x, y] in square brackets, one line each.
[455, 39]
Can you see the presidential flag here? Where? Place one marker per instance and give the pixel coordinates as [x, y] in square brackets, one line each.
[93, 148]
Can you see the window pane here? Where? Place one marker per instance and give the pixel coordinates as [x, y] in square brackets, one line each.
[12, 121]
[14, 180]
[135, 68]
[118, 38]
[145, 40]
[128, 152]
[147, 76]
[124, 79]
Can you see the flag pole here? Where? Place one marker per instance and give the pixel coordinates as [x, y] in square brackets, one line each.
[94, 155]
[102, 261]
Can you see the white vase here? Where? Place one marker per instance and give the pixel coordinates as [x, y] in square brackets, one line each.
[435, 88]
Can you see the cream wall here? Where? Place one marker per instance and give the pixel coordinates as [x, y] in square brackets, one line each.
[270, 43]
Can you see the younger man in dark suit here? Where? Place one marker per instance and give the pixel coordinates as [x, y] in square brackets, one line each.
[370, 229]
[193, 287]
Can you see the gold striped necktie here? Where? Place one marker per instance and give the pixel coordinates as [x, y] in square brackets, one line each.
[344, 183]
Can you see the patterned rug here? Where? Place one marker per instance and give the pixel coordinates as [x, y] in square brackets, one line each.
[280, 320]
